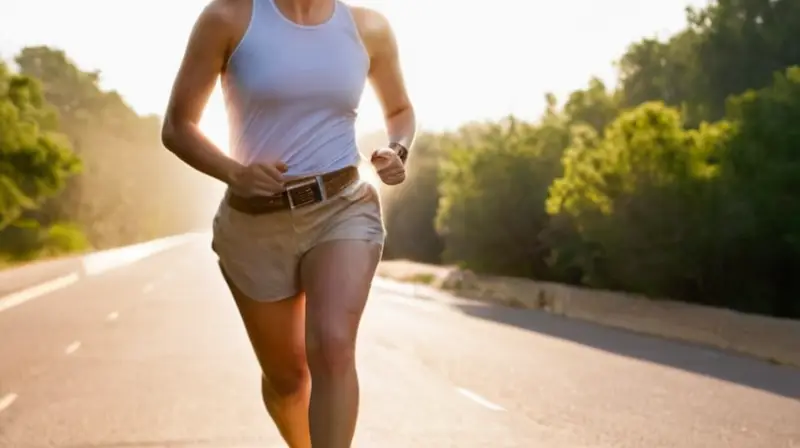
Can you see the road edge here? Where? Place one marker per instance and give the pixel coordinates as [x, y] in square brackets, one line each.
[94, 263]
[774, 340]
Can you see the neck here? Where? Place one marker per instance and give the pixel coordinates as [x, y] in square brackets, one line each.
[304, 9]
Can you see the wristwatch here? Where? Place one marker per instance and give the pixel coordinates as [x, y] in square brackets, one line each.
[401, 150]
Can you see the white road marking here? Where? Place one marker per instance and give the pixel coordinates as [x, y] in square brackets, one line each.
[112, 316]
[26, 295]
[72, 348]
[148, 288]
[106, 260]
[480, 400]
[7, 401]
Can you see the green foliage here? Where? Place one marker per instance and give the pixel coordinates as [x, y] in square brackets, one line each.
[493, 189]
[634, 195]
[410, 209]
[76, 160]
[681, 183]
[727, 47]
[64, 238]
[742, 44]
[34, 161]
[761, 178]
[132, 189]
[27, 239]
[594, 106]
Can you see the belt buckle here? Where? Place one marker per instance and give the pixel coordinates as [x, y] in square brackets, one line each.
[306, 192]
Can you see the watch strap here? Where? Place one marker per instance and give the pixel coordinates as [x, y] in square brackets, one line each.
[401, 150]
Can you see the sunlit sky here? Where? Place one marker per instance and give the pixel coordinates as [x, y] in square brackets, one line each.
[463, 60]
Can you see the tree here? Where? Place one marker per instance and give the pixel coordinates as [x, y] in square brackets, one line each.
[493, 189]
[663, 71]
[35, 161]
[410, 209]
[132, 189]
[635, 200]
[728, 47]
[682, 183]
[741, 45]
[595, 106]
[761, 175]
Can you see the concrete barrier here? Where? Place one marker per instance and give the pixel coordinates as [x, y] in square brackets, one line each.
[771, 339]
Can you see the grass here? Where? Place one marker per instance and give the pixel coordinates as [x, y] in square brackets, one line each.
[425, 279]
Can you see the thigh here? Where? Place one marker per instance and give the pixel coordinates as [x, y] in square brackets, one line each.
[276, 330]
[259, 253]
[337, 276]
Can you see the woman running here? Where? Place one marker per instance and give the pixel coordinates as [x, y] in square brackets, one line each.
[298, 234]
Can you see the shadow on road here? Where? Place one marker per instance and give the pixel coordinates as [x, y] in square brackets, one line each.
[734, 368]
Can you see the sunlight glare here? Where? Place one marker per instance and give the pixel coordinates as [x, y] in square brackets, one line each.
[368, 174]
[214, 123]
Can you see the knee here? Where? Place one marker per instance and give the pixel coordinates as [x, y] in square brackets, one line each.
[288, 382]
[331, 351]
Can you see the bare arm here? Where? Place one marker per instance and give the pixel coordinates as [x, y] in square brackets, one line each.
[203, 61]
[386, 76]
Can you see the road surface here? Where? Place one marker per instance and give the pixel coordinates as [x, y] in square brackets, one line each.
[152, 355]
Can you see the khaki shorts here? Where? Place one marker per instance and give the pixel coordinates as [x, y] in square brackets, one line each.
[260, 254]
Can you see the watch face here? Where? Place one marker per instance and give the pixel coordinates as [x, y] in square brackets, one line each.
[401, 150]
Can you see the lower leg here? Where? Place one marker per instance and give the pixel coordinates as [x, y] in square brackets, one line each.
[287, 403]
[337, 277]
[333, 409]
[276, 330]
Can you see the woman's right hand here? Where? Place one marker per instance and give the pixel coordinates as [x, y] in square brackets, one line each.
[259, 179]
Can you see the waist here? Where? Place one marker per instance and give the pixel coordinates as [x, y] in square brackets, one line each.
[305, 151]
[299, 192]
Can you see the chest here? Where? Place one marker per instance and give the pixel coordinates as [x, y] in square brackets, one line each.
[325, 68]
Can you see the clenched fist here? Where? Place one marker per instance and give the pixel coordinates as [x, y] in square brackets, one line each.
[390, 167]
[259, 179]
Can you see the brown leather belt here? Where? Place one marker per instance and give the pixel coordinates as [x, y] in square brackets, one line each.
[298, 193]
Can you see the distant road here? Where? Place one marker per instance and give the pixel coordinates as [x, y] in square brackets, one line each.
[152, 354]
[14, 279]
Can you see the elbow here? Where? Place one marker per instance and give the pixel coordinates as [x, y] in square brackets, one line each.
[403, 114]
[169, 134]
[410, 113]
[406, 111]
[409, 107]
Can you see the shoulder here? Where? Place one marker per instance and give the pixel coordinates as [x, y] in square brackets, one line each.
[370, 20]
[225, 17]
[223, 21]
[222, 13]
[375, 30]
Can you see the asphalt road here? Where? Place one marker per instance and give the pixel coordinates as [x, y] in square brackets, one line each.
[12, 280]
[152, 354]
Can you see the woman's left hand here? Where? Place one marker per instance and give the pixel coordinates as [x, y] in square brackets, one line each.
[390, 168]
